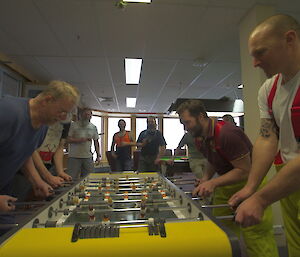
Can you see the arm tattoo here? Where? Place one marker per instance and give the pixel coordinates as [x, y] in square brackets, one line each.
[268, 126]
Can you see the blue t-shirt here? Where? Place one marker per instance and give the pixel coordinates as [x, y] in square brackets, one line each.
[18, 139]
[154, 140]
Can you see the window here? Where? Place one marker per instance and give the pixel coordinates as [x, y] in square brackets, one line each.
[237, 121]
[141, 124]
[113, 128]
[10, 85]
[173, 132]
[97, 121]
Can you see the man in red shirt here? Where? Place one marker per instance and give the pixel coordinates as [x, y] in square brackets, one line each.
[228, 152]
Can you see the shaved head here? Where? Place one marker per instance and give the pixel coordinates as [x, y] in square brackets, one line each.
[275, 46]
[277, 26]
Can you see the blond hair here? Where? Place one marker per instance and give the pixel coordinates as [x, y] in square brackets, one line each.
[60, 89]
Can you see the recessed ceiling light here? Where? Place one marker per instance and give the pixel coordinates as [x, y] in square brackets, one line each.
[130, 102]
[221, 114]
[133, 70]
[137, 1]
[240, 86]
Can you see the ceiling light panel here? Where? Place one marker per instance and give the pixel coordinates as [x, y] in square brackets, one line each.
[133, 70]
[130, 102]
[137, 1]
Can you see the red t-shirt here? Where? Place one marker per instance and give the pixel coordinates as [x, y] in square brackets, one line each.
[123, 152]
[233, 144]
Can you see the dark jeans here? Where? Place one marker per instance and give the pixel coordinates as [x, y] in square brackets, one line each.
[6, 219]
[124, 164]
[146, 163]
[21, 187]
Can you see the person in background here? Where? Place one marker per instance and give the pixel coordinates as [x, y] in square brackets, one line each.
[123, 141]
[229, 118]
[152, 145]
[51, 151]
[196, 159]
[81, 135]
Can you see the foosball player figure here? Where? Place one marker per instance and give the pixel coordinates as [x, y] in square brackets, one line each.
[110, 202]
[116, 184]
[91, 213]
[152, 188]
[106, 195]
[133, 187]
[87, 196]
[75, 200]
[145, 194]
[143, 209]
[164, 195]
[125, 195]
[105, 219]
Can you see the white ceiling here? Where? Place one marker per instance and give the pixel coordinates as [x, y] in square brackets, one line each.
[85, 42]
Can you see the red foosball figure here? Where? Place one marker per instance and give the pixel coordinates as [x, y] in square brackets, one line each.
[163, 194]
[133, 187]
[125, 195]
[106, 196]
[87, 196]
[145, 194]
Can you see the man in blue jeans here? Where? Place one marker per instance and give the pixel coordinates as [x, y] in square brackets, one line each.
[152, 145]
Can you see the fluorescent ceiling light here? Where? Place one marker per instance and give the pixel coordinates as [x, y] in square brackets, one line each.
[133, 70]
[130, 102]
[221, 114]
[238, 105]
[137, 1]
[241, 86]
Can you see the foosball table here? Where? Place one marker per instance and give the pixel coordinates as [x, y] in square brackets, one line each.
[124, 214]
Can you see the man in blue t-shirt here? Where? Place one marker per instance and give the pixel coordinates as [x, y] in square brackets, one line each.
[152, 145]
[23, 126]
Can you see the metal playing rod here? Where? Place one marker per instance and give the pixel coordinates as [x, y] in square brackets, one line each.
[133, 222]
[225, 205]
[14, 213]
[132, 209]
[8, 226]
[225, 217]
[28, 203]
